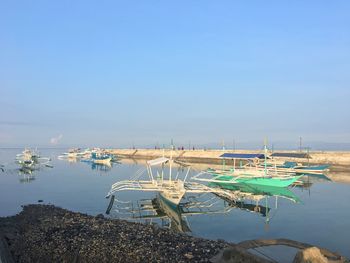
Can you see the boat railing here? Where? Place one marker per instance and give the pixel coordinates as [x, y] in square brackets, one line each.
[125, 185]
[155, 185]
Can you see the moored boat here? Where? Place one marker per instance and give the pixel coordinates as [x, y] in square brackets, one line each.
[248, 175]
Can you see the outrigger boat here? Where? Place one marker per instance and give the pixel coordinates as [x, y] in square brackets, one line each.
[278, 161]
[30, 159]
[75, 153]
[100, 158]
[171, 188]
[248, 175]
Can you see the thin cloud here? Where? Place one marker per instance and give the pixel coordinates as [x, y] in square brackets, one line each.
[56, 140]
[15, 123]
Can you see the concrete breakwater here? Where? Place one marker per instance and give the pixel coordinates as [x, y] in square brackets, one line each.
[339, 160]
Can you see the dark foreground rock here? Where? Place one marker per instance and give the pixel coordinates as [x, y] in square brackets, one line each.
[45, 233]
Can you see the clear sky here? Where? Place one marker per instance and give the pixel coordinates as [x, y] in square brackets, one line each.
[113, 73]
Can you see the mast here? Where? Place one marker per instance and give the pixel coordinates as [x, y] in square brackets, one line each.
[171, 159]
[265, 154]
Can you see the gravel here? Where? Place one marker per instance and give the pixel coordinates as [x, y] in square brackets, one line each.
[46, 233]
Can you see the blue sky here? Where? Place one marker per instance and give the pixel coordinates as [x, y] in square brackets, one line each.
[114, 73]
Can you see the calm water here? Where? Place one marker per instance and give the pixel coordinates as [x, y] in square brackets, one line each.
[322, 217]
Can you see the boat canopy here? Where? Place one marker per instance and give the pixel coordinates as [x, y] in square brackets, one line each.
[157, 161]
[242, 156]
[291, 155]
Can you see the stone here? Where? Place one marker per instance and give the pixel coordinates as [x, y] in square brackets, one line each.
[310, 255]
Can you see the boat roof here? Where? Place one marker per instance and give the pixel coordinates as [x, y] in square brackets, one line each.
[291, 155]
[242, 156]
[157, 161]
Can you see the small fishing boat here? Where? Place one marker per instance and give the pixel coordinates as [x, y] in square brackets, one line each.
[168, 186]
[100, 158]
[74, 153]
[276, 160]
[30, 159]
[248, 175]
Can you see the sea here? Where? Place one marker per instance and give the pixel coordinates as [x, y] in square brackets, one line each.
[316, 211]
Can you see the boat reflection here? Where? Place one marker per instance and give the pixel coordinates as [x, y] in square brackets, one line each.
[101, 167]
[159, 210]
[259, 191]
[26, 175]
[165, 213]
[96, 166]
[106, 167]
[308, 180]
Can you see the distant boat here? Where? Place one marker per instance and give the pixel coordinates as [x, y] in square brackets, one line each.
[295, 166]
[30, 159]
[100, 158]
[75, 153]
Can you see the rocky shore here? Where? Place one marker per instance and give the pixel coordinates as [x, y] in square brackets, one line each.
[45, 233]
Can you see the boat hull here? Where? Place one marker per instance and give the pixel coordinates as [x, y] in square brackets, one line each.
[102, 161]
[264, 181]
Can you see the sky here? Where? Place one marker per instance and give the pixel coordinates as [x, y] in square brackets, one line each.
[122, 73]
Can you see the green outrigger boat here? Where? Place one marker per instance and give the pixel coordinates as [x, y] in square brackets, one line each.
[248, 175]
[248, 178]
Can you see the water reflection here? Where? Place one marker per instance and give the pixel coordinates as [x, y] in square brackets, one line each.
[163, 212]
[159, 210]
[26, 177]
[75, 186]
[96, 166]
[308, 180]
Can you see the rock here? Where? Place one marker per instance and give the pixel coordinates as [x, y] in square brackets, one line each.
[310, 255]
[234, 254]
[100, 216]
[188, 255]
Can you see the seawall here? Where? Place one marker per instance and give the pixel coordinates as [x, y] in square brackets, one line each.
[339, 160]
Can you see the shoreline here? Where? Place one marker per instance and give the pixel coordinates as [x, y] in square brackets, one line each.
[46, 233]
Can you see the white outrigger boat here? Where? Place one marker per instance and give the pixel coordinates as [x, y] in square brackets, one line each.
[172, 189]
[29, 159]
[75, 153]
